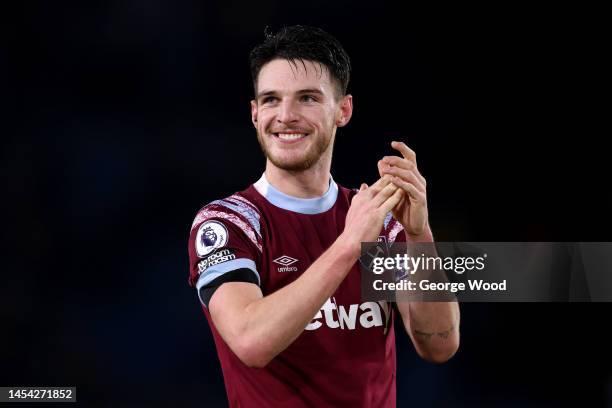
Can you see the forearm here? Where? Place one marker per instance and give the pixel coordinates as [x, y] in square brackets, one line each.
[432, 326]
[272, 323]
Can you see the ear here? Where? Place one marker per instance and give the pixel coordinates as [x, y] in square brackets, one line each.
[345, 111]
[254, 112]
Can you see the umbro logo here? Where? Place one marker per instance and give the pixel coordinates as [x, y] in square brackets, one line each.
[286, 262]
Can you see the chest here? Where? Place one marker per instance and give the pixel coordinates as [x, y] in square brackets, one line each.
[292, 242]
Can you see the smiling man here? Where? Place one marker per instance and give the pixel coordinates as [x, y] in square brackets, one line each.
[275, 266]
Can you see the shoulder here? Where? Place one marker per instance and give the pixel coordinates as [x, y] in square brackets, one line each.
[225, 237]
[239, 212]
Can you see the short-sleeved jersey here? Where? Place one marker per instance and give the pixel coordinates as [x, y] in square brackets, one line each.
[345, 357]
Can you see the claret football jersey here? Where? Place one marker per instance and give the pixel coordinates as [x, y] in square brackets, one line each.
[345, 357]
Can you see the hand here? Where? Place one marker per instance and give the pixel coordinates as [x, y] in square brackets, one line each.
[368, 210]
[411, 211]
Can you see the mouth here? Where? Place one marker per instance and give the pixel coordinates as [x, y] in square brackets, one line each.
[291, 137]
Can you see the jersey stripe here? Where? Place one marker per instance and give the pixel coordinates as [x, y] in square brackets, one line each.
[250, 232]
[240, 207]
[387, 219]
[215, 271]
[396, 229]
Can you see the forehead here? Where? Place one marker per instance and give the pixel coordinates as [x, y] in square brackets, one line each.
[286, 76]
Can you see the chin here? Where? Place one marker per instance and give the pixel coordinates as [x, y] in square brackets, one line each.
[292, 165]
[293, 159]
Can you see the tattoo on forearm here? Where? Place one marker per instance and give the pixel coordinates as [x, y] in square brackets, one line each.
[427, 336]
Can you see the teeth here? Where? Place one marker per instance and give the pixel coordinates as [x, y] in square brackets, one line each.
[291, 136]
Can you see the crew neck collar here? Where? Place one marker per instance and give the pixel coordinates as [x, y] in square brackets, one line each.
[315, 205]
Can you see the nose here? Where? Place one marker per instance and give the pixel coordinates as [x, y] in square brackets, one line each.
[287, 112]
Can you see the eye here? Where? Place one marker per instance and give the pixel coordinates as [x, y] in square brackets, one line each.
[268, 99]
[308, 98]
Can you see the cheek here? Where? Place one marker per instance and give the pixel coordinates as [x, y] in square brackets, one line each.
[319, 117]
[266, 115]
[263, 121]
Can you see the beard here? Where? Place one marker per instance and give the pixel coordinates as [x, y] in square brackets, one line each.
[301, 162]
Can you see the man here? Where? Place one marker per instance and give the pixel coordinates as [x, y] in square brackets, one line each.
[275, 265]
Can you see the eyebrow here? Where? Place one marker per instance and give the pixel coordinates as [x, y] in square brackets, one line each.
[310, 90]
[300, 92]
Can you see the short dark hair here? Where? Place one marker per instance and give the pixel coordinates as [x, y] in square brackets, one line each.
[303, 43]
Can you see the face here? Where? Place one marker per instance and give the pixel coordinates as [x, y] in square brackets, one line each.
[296, 113]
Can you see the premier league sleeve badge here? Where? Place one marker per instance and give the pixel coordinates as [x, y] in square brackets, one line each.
[211, 235]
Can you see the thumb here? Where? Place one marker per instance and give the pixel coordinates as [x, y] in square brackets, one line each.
[363, 186]
[380, 165]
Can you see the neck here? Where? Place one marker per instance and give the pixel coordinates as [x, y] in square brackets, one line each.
[310, 183]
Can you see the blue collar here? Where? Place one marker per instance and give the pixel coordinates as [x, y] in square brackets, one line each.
[315, 205]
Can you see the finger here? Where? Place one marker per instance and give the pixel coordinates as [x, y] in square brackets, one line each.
[384, 194]
[379, 185]
[362, 188]
[404, 164]
[402, 200]
[408, 176]
[399, 162]
[392, 201]
[414, 194]
[407, 152]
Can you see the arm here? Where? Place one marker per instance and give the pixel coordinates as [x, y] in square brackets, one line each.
[256, 327]
[433, 327]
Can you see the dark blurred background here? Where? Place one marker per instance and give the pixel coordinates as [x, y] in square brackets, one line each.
[122, 118]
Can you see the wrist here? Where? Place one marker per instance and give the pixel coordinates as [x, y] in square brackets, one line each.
[425, 236]
[348, 246]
